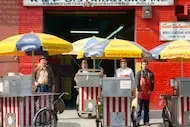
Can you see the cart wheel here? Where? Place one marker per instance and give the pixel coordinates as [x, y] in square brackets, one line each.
[97, 123]
[45, 117]
[101, 124]
[167, 124]
[78, 112]
[90, 115]
[59, 106]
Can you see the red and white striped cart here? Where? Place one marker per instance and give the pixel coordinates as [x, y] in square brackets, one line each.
[89, 90]
[181, 101]
[18, 104]
[116, 93]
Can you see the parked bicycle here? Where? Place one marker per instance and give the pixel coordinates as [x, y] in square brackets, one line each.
[167, 111]
[47, 116]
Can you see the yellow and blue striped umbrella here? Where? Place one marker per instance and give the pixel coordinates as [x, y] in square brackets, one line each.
[174, 50]
[115, 49]
[179, 49]
[38, 42]
[83, 44]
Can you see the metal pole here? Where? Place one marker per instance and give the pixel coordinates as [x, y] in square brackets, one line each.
[114, 32]
[32, 65]
[108, 37]
[115, 66]
[182, 68]
[94, 64]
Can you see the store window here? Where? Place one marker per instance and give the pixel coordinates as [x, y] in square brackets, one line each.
[180, 13]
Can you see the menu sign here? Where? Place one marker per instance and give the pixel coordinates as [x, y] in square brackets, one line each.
[174, 31]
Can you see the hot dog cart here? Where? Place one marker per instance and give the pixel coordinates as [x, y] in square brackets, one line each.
[89, 89]
[181, 101]
[116, 93]
[18, 103]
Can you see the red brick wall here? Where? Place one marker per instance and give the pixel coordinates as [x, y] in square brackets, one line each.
[147, 34]
[8, 18]
[30, 19]
[8, 27]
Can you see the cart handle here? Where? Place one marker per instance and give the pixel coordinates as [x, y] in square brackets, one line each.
[76, 87]
[90, 70]
[64, 93]
[165, 96]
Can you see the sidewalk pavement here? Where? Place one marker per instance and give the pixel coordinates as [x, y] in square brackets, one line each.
[69, 118]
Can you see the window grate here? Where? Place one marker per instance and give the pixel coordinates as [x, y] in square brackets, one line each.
[179, 10]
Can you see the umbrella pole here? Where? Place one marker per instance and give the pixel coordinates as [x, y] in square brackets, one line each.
[115, 66]
[182, 68]
[94, 64]
[33, 64]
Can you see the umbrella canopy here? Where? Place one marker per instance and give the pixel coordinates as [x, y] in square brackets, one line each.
[19, 44]
[115, 49]
[174, 50]
[179, 49]
[82, 44]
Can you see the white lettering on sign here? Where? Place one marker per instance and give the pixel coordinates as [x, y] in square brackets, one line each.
[98, 2]
[27, 47]
[174, 31]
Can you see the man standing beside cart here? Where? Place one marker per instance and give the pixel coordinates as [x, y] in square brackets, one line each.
[145, 86]
[44, 77]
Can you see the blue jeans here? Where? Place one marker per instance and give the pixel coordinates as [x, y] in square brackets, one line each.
[42, 88]
[141, 104]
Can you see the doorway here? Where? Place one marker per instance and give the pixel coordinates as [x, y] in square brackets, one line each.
[62, 23]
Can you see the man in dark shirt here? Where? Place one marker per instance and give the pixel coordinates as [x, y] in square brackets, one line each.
[145, 86]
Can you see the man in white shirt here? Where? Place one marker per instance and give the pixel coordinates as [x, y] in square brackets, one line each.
[125, 72]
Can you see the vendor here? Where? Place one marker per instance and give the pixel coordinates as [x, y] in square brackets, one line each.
[84, 69]
[125, 72]
[44, 77]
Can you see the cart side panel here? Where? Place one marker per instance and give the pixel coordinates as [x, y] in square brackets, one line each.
[9, 105]
[180, 108]
[114, 105]
[185, 108]
[88, 93]
[24, 108]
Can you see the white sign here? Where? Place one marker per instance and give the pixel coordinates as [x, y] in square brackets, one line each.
[117, 119]
[1, 87]
[125, 84]
[98, 2]
[174, 31]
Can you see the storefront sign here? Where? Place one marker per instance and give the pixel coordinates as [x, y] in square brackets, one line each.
[98, 2]
[174, 31]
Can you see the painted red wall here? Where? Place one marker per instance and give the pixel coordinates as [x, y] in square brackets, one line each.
[8, 27]
[30, 19]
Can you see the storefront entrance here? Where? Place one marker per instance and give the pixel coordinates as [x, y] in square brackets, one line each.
[73, 26]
